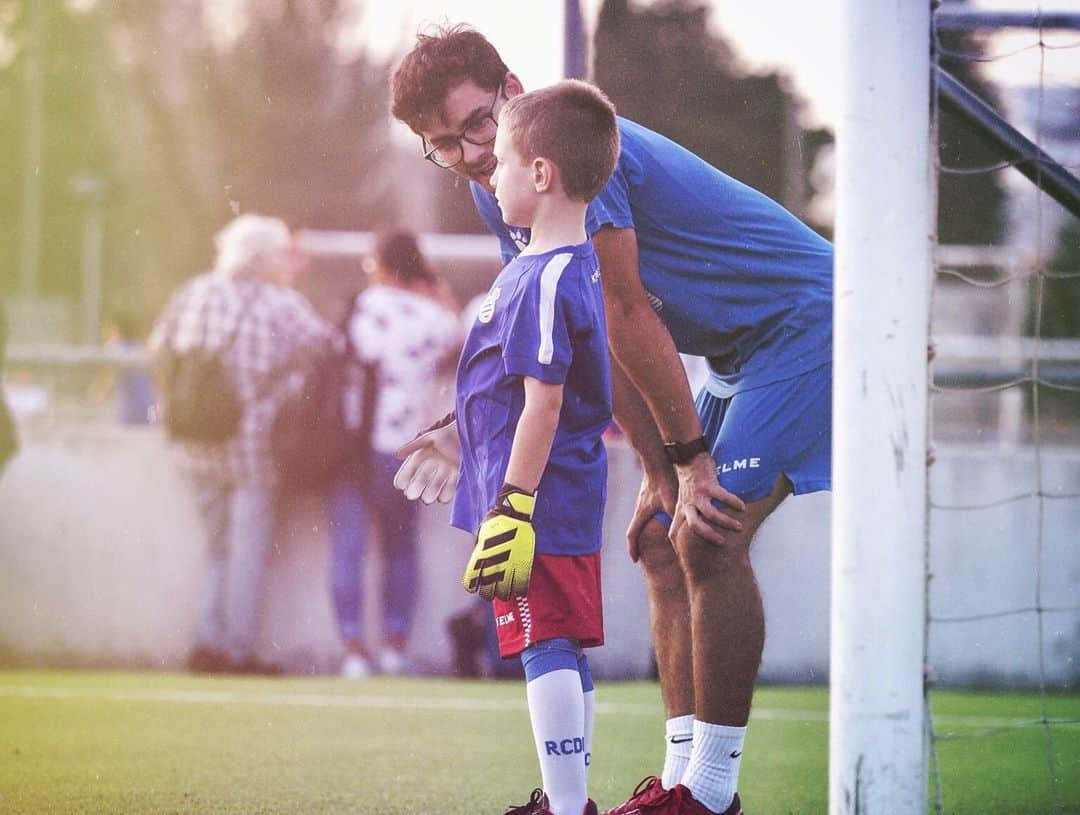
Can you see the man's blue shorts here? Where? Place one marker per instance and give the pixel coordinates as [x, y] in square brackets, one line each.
[757, 434]
[782, 428]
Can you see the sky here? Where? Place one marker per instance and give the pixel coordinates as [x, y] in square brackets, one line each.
[800, 38]
[767, 34]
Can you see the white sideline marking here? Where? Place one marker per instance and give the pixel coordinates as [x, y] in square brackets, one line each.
[330, 700]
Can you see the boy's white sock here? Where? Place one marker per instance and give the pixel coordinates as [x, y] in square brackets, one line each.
[589, 697]
[713, 773]
[557, 711]
[678, 740]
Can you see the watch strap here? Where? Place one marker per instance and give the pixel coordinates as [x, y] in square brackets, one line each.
[682, 452]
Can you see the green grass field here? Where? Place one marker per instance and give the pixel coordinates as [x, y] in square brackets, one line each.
[125, 743]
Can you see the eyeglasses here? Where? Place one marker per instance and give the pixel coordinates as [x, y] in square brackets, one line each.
[478, 131]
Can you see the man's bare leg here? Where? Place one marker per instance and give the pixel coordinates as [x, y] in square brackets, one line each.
[728, 633]
[669, 612]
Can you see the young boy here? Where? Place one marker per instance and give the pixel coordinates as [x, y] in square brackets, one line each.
[533, 398]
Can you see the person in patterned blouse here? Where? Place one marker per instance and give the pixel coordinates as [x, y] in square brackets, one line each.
[405, 325]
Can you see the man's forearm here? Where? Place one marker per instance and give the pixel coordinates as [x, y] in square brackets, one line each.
[636, 421]
[646, 353]
[640, 342]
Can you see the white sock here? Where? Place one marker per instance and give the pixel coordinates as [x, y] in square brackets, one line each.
[713, 773]
[590, 726]
[678, 741]
[557, 711]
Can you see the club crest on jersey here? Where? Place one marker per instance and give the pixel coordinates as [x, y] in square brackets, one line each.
[487, 307]
[519, 237]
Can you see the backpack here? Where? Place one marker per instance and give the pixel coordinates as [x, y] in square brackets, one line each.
[324, 419]
[201, 404]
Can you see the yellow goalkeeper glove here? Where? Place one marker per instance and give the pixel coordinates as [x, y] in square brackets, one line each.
[501, 561]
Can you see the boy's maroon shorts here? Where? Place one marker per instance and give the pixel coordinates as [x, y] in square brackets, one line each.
[563, 601]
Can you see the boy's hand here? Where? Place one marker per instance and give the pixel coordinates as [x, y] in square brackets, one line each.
[429, 475]
[430, 471]
[501, 561]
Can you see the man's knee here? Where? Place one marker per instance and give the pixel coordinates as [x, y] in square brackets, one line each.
[657, 557]
[704, 561]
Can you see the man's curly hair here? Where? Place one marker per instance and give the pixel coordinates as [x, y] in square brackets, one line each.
[438, 63]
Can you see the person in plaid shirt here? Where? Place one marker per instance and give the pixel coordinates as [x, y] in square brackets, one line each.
[245, 305]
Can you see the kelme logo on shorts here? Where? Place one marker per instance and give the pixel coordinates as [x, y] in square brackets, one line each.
[738, 464]
[487, 307]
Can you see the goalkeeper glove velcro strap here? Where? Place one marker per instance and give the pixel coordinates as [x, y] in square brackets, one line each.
[429, 436]
[448, 419]
[514, 502]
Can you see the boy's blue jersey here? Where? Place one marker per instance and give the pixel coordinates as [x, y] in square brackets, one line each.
[543, 317]
[734, 276]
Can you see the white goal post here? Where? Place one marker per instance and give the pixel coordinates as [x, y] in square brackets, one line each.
[884, 271]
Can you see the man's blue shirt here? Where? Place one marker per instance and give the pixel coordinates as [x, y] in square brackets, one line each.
[734, 276]
[543, 317]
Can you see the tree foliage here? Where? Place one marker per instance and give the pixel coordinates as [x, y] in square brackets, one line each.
[663, 67]
[1060, 292]
[72, 141]
[297, 128]
[970, 204]
[187, 129]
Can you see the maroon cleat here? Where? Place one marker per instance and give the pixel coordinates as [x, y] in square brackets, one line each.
[538, 805]
[691, 806]
[648, 789]
[650, 798]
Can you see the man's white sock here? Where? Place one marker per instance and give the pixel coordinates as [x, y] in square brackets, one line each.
[713, 773]
[557, 711]
[678, 739]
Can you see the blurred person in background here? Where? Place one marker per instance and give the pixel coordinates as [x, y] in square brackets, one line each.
[9, 440]
[132, 387]
[405, 325]
[246, 309]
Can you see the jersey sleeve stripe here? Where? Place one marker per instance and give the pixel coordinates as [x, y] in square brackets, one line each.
[549, 283]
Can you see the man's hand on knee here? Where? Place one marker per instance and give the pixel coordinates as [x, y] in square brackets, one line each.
[699, 488]
[656, 497]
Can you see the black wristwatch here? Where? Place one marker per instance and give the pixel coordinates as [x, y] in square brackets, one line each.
[682, 452]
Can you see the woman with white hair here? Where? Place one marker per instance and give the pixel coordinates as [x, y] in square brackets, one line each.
[246, 314]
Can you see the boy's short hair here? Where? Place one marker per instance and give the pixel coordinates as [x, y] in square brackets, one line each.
[573, 124]
[436, 65]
